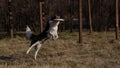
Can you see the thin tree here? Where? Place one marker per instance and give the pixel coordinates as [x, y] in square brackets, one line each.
[90, 18]
[10, 19]
[80, 18]
[117, 21]
[41, 16]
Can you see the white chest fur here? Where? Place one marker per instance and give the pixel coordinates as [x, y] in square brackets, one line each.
[28, 32]
[52, 32]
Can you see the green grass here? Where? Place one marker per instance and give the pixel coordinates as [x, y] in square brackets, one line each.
[99, 50]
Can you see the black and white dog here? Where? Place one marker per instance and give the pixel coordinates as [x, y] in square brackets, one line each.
[50, 32]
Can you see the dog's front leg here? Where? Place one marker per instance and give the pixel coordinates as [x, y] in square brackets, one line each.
[38, 48]
[32, 47]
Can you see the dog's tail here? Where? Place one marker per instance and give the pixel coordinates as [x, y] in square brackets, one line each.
[28, 32]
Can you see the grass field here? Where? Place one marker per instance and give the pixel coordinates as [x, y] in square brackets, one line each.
[99, 50]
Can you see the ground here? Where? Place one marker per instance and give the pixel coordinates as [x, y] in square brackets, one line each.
[99, 50]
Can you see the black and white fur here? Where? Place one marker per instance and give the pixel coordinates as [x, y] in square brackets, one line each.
[50, 32]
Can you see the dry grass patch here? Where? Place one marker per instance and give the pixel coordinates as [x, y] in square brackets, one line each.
[100, 50]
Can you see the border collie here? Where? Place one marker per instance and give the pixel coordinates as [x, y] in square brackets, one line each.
[50, 32]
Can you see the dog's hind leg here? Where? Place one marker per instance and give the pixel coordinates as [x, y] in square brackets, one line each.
[37, 49]
[32, 47]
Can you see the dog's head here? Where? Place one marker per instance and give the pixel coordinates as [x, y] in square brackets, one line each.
[56, 18]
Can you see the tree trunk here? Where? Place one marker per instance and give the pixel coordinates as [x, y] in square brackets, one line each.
[10, 19]
[90, 19]
[80, 18]
[41, 18]
[117, 21]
